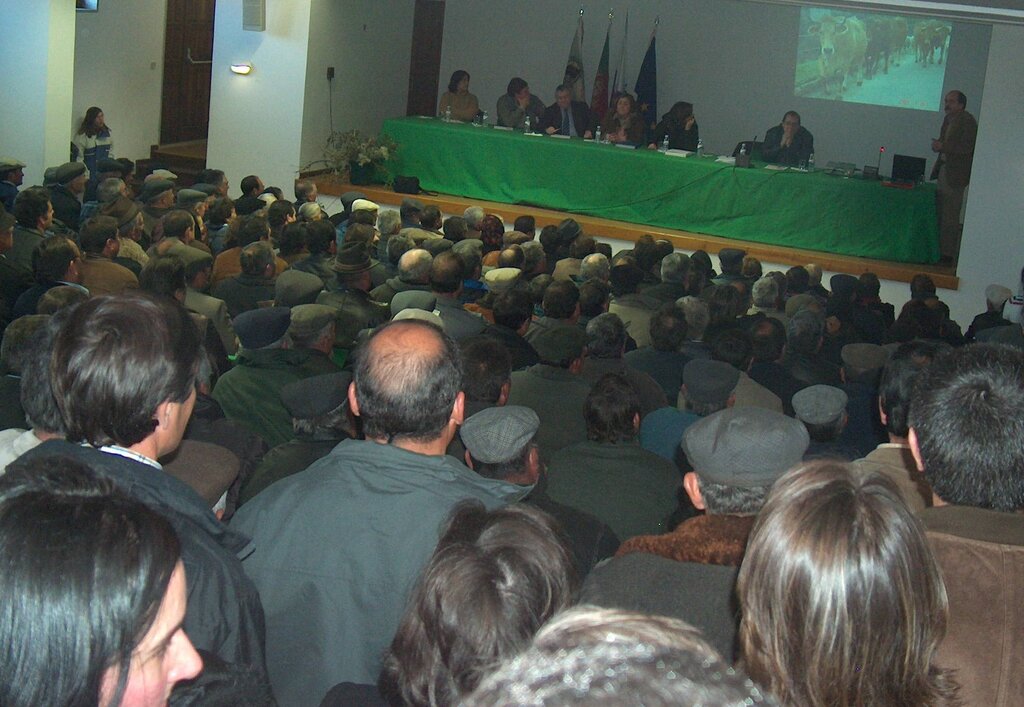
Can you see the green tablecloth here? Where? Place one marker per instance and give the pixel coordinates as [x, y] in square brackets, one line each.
[815, 211]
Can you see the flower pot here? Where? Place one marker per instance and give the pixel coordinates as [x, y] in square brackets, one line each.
[361, 174]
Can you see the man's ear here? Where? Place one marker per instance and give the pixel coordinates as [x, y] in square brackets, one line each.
[915, 448]
[459, 409]
[468, 459]
[881, 412]
[353, 402]
[532, 470]
[506, 388]
[692, 487]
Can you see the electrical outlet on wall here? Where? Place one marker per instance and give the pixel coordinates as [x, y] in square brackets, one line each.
[330, 73]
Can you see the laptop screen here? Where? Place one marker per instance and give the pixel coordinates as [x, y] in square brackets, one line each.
[907, 169]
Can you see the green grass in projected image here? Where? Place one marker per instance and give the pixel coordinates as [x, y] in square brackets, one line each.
[871, 57]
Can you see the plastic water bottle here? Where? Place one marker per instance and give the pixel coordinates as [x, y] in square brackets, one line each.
[743, 149]
[597, 135]
[664, 144]
[483, 119]
[810, 163]
[526, 125]
[700, 147]
[448, 113]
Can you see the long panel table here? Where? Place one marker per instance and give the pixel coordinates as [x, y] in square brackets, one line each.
[816, 211]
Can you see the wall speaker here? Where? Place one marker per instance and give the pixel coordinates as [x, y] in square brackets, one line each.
[254, 15]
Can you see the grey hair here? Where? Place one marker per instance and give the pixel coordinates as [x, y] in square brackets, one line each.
[414, 266]
[389, 222]
[473, 215]
[595, 267]
[675, 267]
[109, 189]
[697, 316]
[765, 292]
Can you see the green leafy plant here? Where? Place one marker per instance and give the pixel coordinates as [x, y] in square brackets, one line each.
[344, 149]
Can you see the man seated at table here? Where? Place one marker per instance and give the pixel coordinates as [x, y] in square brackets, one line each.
[566, 116]
[788, 143]
[517, 104]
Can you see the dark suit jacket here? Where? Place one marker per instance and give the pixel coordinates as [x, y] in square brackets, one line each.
[552, 117]
[959, 131]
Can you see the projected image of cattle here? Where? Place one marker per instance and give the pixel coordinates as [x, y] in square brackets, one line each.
[875, 58]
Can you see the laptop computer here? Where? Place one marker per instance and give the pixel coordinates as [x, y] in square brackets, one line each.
[907, 169]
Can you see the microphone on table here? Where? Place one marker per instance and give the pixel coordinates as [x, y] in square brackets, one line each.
[881, 149]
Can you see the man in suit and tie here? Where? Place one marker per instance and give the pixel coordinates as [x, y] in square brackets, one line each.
[566, 116]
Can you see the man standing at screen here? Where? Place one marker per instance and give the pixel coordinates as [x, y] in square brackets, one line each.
[788, 143]
[955, 148]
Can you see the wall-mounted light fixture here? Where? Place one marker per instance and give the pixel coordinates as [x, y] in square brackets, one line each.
[242, 69]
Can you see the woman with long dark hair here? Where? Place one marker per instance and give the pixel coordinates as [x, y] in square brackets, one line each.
[624, 124]
[92, 142]
[680, 126]
[463, 104]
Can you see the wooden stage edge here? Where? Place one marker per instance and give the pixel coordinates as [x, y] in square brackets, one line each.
[944, 276]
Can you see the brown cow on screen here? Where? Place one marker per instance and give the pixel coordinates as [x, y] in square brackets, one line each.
[843, 45]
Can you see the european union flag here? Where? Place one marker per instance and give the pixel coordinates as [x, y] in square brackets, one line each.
[647, 87]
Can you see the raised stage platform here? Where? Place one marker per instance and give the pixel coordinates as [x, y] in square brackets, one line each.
[944, 276]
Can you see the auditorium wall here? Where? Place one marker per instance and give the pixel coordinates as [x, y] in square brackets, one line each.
[119, 58]
[34, 117]
[368, 44]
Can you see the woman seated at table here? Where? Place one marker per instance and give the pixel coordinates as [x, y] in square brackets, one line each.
[463, 103]
[624, 125]
[680, 126]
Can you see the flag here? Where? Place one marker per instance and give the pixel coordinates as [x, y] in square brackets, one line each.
[599, 98]
[574, 80]
[647, 87]
[617, 88]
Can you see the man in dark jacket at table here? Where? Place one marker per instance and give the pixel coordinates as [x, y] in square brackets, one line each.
[566, 116]
[788, 143]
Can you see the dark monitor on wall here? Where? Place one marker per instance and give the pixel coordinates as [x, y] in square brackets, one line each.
[907, 169]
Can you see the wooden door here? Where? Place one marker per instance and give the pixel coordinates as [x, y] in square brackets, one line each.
[188, 53]
[425, 63]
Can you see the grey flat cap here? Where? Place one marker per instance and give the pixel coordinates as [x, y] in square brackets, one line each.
[819, 404]
[498, 434]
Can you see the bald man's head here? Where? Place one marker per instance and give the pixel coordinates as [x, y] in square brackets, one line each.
[408, 376]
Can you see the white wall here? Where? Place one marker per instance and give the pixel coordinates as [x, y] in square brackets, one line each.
[368, 42]
[119, 57]
[256, 120]
[733, 59]
[37, 56]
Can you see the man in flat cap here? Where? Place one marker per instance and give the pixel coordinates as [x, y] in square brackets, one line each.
[609, 474]
[250, 229]
[294, 287]
[250, 393]
[356, 308]
[12, 174]
[66, 193]
[708, 387]
[198, 271]
[313, 329]
[822, 409]
[737, 454]
[805, 334]
[343, 542]
[100, 274]
[155, 198]
[321, 418]
[499, 443]
[554, 388]
[321, 246]
[129, 228]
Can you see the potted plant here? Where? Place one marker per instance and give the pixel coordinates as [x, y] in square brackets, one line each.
[362, 158]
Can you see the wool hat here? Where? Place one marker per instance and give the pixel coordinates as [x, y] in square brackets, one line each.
[864, 357]
[560, 345]
[188, 197]
[413, 299]
[819, 404]
[261, 327]
[49, 176]
[501, 279]
[316, 396]
[744, 446]
[107, 165]
[122, 209]
[709, 381]
[843, 285]
[308, 319]
[208, 468]
[364, 205]
[351, 258]
[294, 287]
[498, 434]
[153, 188]
[8, 164]
[69, 171]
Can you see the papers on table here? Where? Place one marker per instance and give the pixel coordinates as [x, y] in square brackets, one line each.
[776, 167]
[726, 159]
[502, 127]
[680, 153]
[559, 135]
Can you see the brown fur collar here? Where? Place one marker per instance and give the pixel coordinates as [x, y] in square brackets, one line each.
[706, 539]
